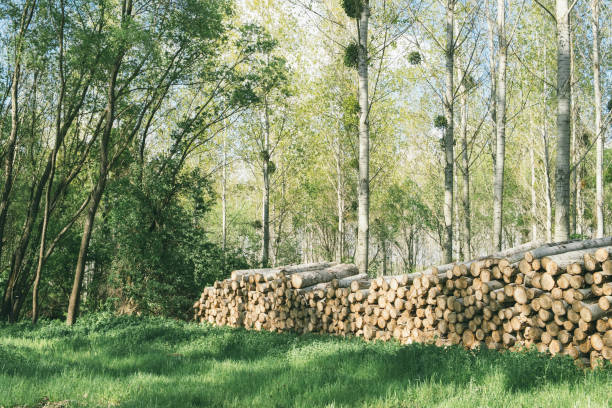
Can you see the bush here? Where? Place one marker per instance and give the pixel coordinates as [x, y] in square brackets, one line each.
[414, 58]
[351, 55]
[352, 8]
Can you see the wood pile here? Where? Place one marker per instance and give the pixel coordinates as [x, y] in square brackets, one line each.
[555, 297]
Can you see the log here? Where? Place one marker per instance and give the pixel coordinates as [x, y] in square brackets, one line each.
[602, 254]
[312, 277]
[561, 261]
[287, 269]
[510, 253]
[348, 281]
[565, 247]
[605, 303]
[591, 312]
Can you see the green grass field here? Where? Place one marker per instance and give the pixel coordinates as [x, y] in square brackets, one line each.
[129, 362]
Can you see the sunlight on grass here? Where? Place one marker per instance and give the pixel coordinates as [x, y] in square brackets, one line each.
[106, 361]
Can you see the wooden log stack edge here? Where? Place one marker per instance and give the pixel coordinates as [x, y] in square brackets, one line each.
[557, 298]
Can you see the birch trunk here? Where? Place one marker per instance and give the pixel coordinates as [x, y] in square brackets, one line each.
[562, 180]
[599, 194]
[500, 140]
[448, 137]
[364, 144]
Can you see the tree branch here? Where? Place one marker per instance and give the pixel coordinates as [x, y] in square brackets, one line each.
[548, 11]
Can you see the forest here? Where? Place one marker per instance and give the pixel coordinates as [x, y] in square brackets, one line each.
[148, 148]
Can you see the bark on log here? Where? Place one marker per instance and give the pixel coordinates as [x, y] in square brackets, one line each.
[562, 247]
[288, 269]
[591, 312]
[303, 279]
[348, 281]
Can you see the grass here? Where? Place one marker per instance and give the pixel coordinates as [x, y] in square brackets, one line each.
[130, 362]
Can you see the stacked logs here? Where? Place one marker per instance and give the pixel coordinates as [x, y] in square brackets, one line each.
[555, 297]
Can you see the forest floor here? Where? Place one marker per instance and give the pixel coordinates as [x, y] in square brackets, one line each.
[106, 361]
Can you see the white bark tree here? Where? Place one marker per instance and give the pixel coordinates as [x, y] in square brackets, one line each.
[599, 194]
[363, 188]
[500, 127]
[449, 131]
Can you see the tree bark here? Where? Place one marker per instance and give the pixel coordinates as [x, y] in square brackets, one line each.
[304, 279]
[493, 79]
[9, 152]
[579, 200]
[574, 137]
[562, 170]
[449, 136]
[548, 189]
[571, 246]
[224, 196]
[534, 202]
[500, 140]
[340, 202]
[599, 194]
[363, 192]
[96, 194]
[265, 207]
[466, 225]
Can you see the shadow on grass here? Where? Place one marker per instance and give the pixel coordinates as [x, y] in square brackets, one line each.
[190, 365]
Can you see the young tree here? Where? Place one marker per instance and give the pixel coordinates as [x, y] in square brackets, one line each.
[360, 11]
[271, 90]
[500, 126]
[561, 17]
[98, 190]
[19, 43]
[449, 142]
[599, 134]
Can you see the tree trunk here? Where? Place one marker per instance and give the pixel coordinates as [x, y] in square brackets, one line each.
[9, 149]
[534, 202]
[574, 136]
[579, 200]
[265, 207]
[467, 225]
[224, 196]
[599, 194]
[364, 145]
[340, 203]
[96, 194]
[548, 190]
[448, 137]
[384, 254]
[500, 140]
[20, 253]
[493, 78]
[562, 180]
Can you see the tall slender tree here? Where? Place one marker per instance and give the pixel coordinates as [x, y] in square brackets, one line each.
[500, 126]
[360, 11]
[363, 190]
[9, 148]
[599, 193]
[449, 142]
